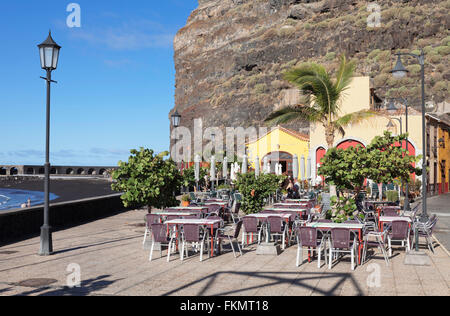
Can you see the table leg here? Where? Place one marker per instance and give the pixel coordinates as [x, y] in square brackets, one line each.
[360, 246]
[212, 240]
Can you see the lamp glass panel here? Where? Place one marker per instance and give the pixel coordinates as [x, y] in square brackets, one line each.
[55, 58]
[41, 54]
[48, 57]
[399, 74]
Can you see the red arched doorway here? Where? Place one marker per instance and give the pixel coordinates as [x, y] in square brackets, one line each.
[350, 143]
[411, 151]
[320, 153]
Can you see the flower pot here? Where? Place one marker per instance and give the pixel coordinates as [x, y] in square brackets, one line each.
[185, 203]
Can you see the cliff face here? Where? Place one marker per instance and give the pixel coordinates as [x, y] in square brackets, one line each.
[230, 56]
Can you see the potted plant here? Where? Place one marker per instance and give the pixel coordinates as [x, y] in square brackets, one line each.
[185, 200]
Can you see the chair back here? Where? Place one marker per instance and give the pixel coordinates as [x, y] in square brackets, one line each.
[237, 207]
[151, 219]
[191, 232]
[276, 224]
[293, 215]
[250, 224]
[307, 236]
[237, 230]
[326, 201]
[159, 232]
[390, 212]
[340, 238]
[400, 230]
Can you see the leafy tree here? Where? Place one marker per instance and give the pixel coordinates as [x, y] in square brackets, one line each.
[389, 161]
[322, 96]
[255, 190]
[147, 179]
[346, 169]
[189, 177]
[343, 209]
[382, 161]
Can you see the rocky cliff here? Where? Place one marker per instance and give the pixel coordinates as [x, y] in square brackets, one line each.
[230, 56]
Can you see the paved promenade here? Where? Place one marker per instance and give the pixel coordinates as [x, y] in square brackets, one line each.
[113, 262]
[440, 205]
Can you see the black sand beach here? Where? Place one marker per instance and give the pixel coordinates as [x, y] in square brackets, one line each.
[67, 189]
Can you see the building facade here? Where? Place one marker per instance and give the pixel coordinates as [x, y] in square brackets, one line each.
[280, 145]
[361, 96]
[438, 153]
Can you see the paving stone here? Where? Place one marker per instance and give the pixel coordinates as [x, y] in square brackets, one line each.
[114, 262]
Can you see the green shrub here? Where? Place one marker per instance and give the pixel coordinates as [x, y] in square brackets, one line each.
[343, 209]
[147, 180]
[255, 190]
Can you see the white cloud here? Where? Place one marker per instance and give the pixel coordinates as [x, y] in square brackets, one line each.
[128, 36]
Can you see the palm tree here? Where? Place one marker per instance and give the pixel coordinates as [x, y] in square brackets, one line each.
[322, 98]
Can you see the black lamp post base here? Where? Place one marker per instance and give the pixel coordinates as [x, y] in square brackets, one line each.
[46, 248]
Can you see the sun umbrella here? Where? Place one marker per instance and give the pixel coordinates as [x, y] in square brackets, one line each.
[212, 172]
[257, 166]
[309, 170]
[266, 162]
[225, 168]
[245, 165]
[197, 168]
[295, 167]
[232, 173]
[302, 167]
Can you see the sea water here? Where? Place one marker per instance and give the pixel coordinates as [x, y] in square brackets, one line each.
[13, 198]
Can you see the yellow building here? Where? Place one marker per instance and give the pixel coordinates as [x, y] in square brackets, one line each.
[438, 153]
[361, 96]
[279, 145]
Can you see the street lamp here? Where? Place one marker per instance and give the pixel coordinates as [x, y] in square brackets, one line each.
[49, 55]
[400, 71]
[392, 107]
[391, 125]
[176, 120]
[213, 152]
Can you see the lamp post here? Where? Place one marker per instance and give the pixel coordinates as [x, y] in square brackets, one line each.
[49, 55]
[176, 120]
[392, 107]
[398, 72]
[213, 152]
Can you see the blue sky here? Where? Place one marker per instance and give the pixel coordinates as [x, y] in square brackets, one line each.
[115, 76]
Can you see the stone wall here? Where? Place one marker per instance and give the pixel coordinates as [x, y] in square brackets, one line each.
[19, 224]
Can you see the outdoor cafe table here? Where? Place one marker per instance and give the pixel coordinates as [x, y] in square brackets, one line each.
[390, 219]
[214, 203]
[300, 204]
[301, 210]
[165, 214]
[354, 227]
[200, 222]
